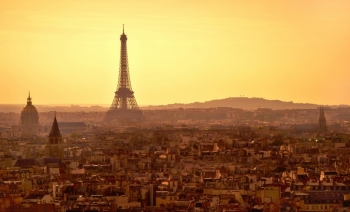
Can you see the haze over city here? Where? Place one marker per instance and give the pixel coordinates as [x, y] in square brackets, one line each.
[67, 52]
[174, 106]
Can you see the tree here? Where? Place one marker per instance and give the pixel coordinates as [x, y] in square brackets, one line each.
[277, 143]
[75, 135]
[280, 169]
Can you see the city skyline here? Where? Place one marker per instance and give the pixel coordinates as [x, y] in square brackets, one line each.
[179, 52]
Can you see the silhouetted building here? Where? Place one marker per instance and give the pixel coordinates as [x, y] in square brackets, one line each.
[55, 146]
[29, 119]
[322, 124]
[305, 128]
[25, 163]
[124, 106]
[70, 127]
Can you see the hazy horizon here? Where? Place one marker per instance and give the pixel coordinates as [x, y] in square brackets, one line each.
[151, 105]
[67, 52]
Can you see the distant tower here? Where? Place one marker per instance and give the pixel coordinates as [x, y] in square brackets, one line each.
[29, 119]
[54, 147]
[322, 124]
[124, 106]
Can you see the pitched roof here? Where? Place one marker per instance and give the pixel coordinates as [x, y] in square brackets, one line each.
[55, 131]
[41, 162]
[26, 162]
[35, 196]
[45, 161]
[72, 124]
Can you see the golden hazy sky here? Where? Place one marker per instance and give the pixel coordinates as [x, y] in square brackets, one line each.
[180, 51]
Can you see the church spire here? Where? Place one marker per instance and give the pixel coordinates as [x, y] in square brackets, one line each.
[55, 130]
[55, 147]
[322, 123]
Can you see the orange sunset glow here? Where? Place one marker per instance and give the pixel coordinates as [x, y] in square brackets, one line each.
[67, 52]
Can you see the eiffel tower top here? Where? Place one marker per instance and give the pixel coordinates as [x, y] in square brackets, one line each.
[123, 36]
[124, 84]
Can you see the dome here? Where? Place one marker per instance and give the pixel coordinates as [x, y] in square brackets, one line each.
[29, 114]
[29, 110]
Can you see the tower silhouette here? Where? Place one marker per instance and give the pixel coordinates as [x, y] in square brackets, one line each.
[54, 147]
[124, 106]
[322, 124]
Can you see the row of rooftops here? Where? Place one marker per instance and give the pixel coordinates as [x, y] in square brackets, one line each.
[194, 163]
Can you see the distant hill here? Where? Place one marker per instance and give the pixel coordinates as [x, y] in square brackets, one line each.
[244, 103]
[239, 102]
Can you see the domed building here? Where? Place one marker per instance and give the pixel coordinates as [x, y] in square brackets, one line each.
[29, 119]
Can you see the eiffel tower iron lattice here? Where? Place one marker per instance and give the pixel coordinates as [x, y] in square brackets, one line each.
[124, 106]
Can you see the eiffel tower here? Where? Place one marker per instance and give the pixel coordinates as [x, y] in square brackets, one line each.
[124, 106]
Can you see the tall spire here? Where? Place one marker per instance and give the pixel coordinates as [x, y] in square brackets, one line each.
[55, 130]
[29, 100]
[322, 123]
[54, 147]
[123, 28]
